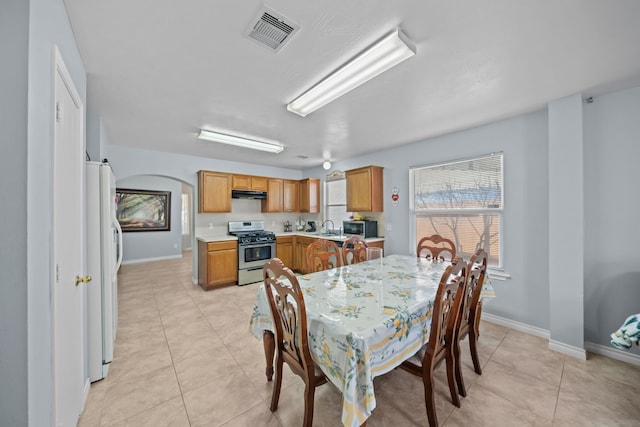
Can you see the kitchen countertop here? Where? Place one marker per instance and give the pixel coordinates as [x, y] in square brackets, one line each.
[225, 237]
[317, 235]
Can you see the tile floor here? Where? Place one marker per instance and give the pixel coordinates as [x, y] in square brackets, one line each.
[185, 357]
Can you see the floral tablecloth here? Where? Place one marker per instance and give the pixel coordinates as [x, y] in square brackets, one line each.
[363, 321]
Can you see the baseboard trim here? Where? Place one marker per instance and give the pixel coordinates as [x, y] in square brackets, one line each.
[603, 350]
[569, 350]
[85, 392]
[614, 353]
[141, 260]
[518, 326]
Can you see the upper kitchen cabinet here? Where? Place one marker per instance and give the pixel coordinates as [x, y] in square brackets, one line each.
[274, 201]
[248, 182]
[309, 200]
[290, 202]
[364, 189]
[214, 192]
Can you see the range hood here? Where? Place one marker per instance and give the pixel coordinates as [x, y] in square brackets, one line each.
[248, 194]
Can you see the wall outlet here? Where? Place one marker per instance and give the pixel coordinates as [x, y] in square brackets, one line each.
[175, 246]
[389, 227]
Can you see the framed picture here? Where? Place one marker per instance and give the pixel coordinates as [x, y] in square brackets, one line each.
[143, 210]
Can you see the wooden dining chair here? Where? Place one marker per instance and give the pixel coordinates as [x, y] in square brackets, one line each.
[292, 342]
[435, 246]
[354, 250]
[469, 317]
[444, 324]
[322, 255]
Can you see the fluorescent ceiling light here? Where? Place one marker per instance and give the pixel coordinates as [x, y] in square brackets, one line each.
[240, 141]
[389, 51]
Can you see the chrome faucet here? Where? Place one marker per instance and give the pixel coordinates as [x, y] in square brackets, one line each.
[326, 229]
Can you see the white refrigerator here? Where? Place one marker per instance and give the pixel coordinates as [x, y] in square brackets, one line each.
[104, 256]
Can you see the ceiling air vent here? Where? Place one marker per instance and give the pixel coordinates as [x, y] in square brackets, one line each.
[271, 29]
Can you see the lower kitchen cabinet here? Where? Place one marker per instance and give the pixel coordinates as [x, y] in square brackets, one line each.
[284, 250]
[376, 245]
[217, 263]
[300, 253]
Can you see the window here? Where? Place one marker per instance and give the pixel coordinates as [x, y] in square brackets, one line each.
[336, 199]
[463, 201]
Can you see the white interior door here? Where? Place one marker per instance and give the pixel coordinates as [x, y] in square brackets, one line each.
[68, 214]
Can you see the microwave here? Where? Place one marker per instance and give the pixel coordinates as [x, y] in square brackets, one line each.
[362, 228]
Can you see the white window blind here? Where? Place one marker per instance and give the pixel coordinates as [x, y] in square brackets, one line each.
[336, 200]
[463, 201]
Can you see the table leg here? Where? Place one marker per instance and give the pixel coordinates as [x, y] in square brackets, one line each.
[269, 350]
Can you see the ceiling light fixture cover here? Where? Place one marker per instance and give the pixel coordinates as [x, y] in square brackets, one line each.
[387, 52]
[326, 165]
[239, 141]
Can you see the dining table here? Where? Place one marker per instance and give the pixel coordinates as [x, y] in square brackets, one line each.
[363, 321]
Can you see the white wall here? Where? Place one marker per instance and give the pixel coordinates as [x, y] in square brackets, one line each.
[14, 24]
[524, 141]
[612, 206]
[48, 26]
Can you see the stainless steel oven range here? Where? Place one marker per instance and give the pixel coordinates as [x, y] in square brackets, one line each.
[255, 247]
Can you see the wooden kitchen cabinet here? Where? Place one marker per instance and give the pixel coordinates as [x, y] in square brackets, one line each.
[249, 182]
[284, 250]
[376, 245]
[290, 192]
[274, 201]
[309, 200]
[300, 253]
[364, 189]
[217, 263]
[214, 192]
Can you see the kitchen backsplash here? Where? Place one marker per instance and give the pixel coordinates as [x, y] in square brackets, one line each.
[249, 210]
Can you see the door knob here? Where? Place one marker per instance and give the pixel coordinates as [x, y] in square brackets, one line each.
[83, 279]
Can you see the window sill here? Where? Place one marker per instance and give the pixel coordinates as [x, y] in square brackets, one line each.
[498, 274]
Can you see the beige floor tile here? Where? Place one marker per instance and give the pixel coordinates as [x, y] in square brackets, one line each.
[184, 346]
[531, 358]
[216, 403]
[327, 410]
[259, 415]
[487, 409]
[140, 362]
[133, 395]
[526, 392]
[200, 369]
[167, 414]
[132, 343]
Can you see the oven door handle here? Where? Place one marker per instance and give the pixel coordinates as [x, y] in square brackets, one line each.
[252, 268]
[257, 245]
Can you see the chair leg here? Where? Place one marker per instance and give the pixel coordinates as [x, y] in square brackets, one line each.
[473, 347]
[458, 369]
[429, 399]
[275, 395]
[309, 396]
[451, 378]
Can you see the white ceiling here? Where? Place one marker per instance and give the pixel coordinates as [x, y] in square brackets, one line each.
[159, 70]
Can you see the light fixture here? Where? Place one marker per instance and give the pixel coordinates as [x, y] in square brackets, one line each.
[240, 141]
[387, 52]
[326, 165]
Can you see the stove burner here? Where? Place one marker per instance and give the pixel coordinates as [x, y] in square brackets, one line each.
[248, 238]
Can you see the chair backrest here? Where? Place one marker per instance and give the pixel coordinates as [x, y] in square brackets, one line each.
[354, 250]
[289, 316]
[477, 269]
[436, 246]
[322, 255]
[446, 306]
